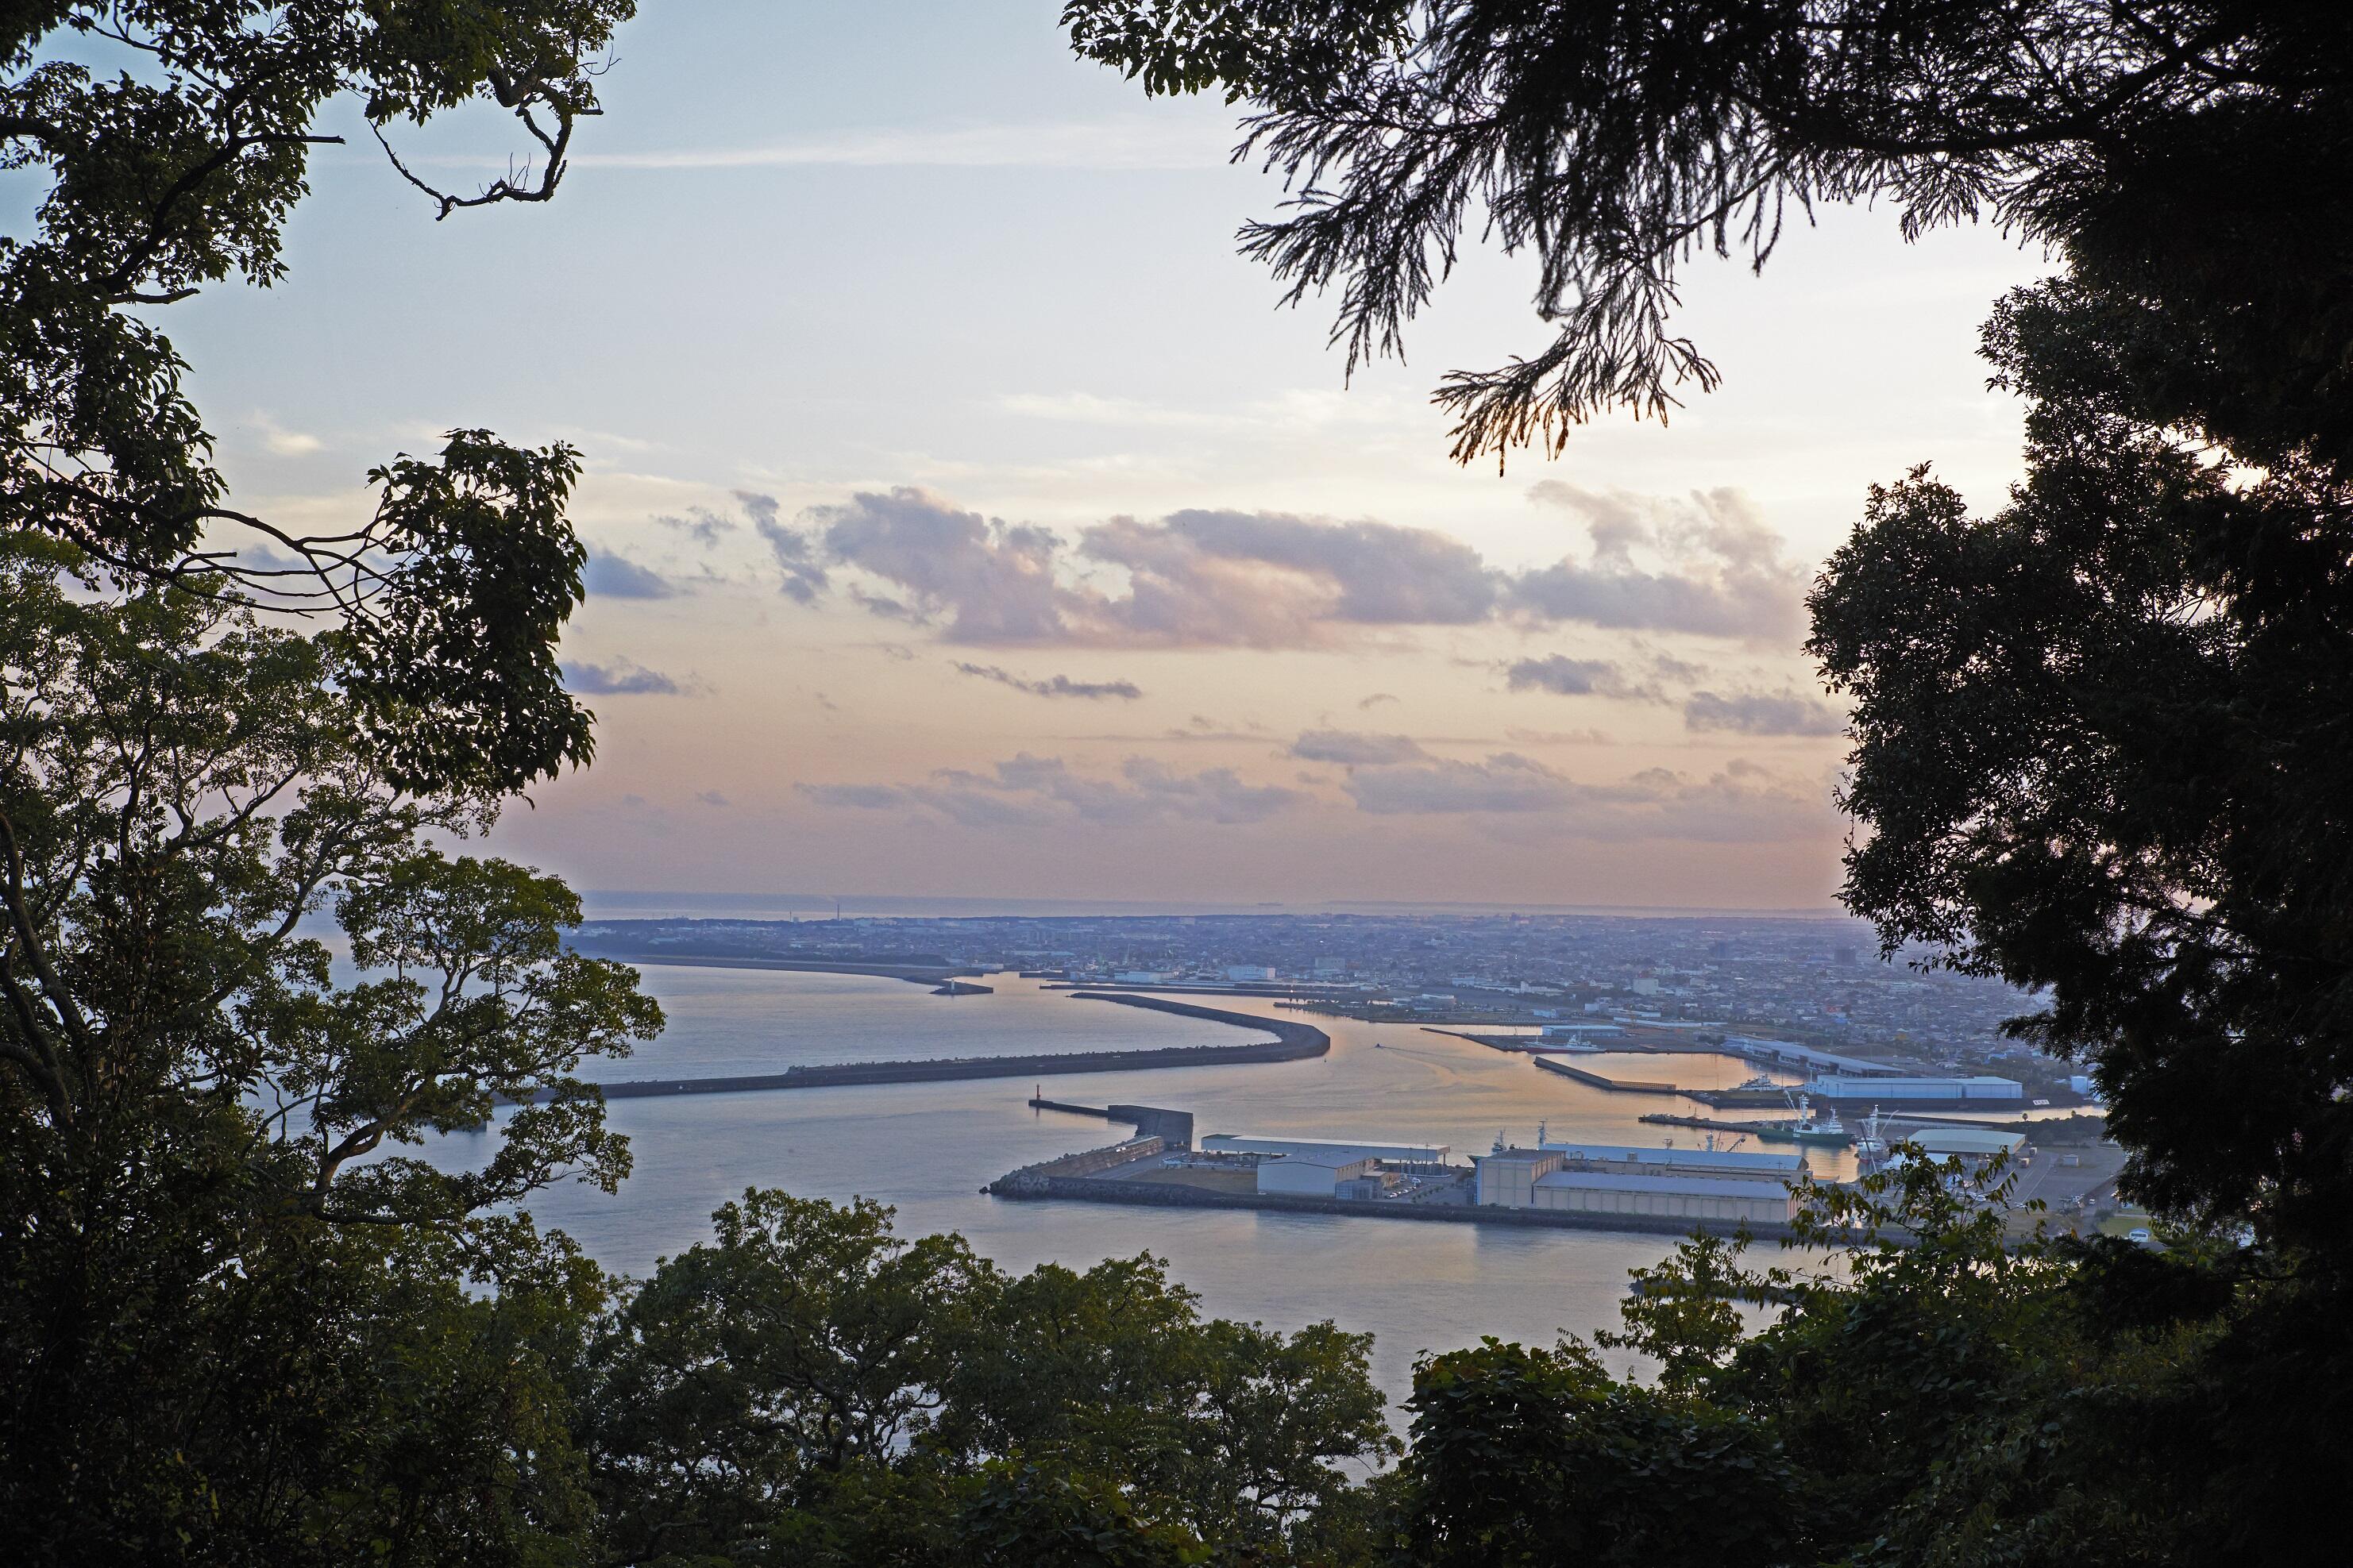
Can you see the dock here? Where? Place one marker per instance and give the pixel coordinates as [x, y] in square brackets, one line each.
[1173, 1128]
[1709, 1125]
[1594, 1080]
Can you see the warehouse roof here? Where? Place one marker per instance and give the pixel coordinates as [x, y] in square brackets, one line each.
[1968, 1141]
[1644, 1182]
[1711, 1158]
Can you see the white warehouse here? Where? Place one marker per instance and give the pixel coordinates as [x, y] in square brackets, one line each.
[1321, 1175]
[1294, 1148]
[1846, 1087]
[1559, 1178]
[1760, 1163]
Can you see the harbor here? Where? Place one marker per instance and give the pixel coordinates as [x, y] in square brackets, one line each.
[1718, 1188]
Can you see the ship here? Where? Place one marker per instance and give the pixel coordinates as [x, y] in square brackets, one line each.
[1805, 1127]
[1871, 1143]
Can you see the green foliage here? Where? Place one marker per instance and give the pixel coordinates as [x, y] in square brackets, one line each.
[178, 170]
[1527, 1457]
[1616, 143]
[810, 1387]
[2099, 736]
[231, 1314]
[1279, 51]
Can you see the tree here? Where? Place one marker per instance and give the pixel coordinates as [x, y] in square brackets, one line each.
[175, 167]
[2159, 144]
[1526, 1456]
[1944, 1395]
[810, 1387]
[232, 1314]
[2098, 735]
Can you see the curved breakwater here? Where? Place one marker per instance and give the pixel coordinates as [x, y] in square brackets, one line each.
[1294, 1041]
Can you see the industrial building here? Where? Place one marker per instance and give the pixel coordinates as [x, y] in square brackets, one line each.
[1696, 1196]
[1848, 1087]
[1557, 1179]
[1323, 1175]
[1789, 1053]
[1317, 1148]
[1634, 1158]
[1969, 1142]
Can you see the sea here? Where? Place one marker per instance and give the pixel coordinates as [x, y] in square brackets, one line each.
[927, 1149]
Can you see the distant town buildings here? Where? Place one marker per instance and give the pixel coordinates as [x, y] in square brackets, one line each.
[1810, 992]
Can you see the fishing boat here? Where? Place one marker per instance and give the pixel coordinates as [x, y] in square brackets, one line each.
[1806, 1127]
[1871, 1143]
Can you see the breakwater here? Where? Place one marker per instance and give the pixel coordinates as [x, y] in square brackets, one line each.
[1293, 1042]
[1174, 1128]
[1036, 1182]
[944, 981]
[1594, 1080]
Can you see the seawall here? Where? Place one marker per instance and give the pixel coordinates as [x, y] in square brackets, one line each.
[1594, 1080]
[919, 973]
[1293, 1042]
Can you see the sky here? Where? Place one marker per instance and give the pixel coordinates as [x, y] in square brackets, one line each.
[967, 520]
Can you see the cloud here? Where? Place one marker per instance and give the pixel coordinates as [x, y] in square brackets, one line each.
[1053, 686]
[281, 442]
[1204, 578]
[702, 525]
[1717, 570]
[858, 797]
[1354, 749]
[1565, 676]
[1376, 699]
[1506, 782]
[712, 797]
[1758, 713]
[1028, 791]
[803, 578]
[619, 577]
[1742, 804]
[1560, 737]
[619, 678]
[1234, 576]
[986, 580]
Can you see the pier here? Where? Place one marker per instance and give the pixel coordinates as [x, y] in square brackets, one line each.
[1594, 1080]
[1173, 1128]
[1293, 1042]
[1710, 1125]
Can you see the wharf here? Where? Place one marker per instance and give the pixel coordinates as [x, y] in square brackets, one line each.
[1777, 1098]
[1706, 1123]
[1594, 1080]
[1173, 1128]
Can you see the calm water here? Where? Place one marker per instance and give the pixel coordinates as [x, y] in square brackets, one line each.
[928, 1147]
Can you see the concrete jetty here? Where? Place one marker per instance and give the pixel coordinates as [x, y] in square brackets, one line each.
[1293, 1042]
[1173, 1128]
[1594, 1080]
